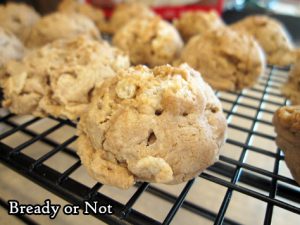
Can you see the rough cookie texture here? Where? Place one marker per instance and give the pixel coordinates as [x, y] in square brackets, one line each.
[59, 78]
[227, 60]
[163, 125]
[192, 23]
[58, 26]
[11, 47]
[125, 12]
[272, 37]
[150, 41]
[291, 89]
[95, 14]
[18, 18]
[287, 126]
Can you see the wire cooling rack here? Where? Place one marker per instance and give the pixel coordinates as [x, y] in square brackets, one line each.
[250, 165]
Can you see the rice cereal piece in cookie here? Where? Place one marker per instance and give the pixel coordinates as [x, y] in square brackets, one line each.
[162, 125]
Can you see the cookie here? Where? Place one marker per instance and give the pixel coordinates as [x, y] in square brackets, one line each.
[125, 12]
[192, 23]
[59, 79]
[162, 125]
[287, 126]
[58, 26]
[291, 89]
[227, 60]
[11, 47]
[18, 18]
[95, 14]
[272, 37]
[150, 41]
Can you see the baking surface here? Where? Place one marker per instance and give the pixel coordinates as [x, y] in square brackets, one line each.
[209, 195]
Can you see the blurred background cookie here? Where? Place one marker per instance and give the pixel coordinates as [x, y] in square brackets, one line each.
[60, 25]
[125, 12]
[18, 18]
[150, 41]
[95, 14]
[272, 37]
[287, 126]
[291, 89]
[11, 47]
[192, 23]
[226, 59]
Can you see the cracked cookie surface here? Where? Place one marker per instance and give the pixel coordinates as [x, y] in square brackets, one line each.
[59, 78]
[150, 41]
[226, 59]
[161, 125]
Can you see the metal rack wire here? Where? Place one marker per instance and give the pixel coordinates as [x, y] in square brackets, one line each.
[236, 175]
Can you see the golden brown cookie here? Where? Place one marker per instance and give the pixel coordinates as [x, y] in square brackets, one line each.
[59, 78]
[162, 125]
[272, 37]
[227, 60]
[58, 26]
[95, 14]
[18, 18]
[291, 89]
[192, 23]
[150, 41]
[10, 47]
[287, 126]
[125, 12]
